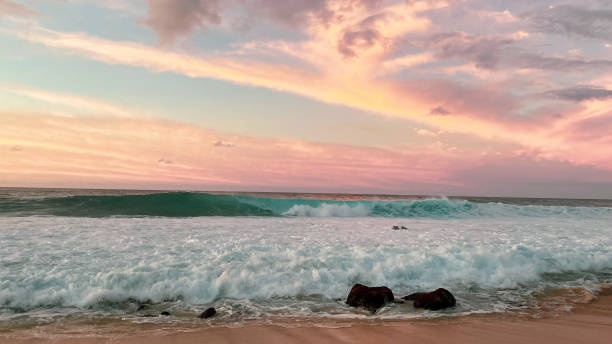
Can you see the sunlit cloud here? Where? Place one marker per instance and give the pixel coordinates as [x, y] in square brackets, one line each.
[467, 76]
[475, 111]
[223, 144]
[407, 61]
[379, 96]
[125, 152]
[10, 8]
[79, 104]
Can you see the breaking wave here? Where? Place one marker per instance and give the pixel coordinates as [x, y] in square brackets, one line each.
[190, 204]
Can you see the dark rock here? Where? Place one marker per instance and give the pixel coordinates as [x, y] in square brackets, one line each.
[165, 314]
[208, 313]
[371, 298]
[437, 299]
[142, 307]
[148, 316]
[413, 296]
[395, 228]
[404, 227]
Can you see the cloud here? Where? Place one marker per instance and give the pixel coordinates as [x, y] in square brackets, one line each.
[362, 92]
[572, 20]
[504, 17]
[425, 132]
[293, 13]
[376, 31]
[502, 52]
[406, 61]
[173, 19]
[499, 92]
[580, 93]
[592, 130]
[124, 152]
[485, 51]
[467, 100]
[536, 61]
[480, 108]
[223, 144]
[361, 36]
[547, 178]
[10, 8]
[299, 13]
[439, 111]
[165, 161]
[80, 105]
[353, 40]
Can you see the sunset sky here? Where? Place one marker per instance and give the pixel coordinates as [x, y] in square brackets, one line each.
[474, 97]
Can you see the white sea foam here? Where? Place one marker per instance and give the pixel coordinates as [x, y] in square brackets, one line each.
[293, 265]
[330, 210]
[439, 208]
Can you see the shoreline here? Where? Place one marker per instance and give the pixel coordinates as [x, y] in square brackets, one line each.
[590, 322]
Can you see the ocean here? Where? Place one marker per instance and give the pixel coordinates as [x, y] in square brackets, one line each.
[78, 255]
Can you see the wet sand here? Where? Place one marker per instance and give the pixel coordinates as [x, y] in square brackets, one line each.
[587, 323]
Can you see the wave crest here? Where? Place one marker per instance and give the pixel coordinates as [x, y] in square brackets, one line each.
[189, 204]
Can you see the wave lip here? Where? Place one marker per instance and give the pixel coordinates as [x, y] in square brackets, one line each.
[191, 204]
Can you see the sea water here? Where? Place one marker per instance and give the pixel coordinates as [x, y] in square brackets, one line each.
[91, 254]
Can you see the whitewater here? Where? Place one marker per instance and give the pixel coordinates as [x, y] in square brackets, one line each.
[92, 254]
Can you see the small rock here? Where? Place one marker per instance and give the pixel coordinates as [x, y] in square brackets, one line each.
[165, 314]
[371, 298]
[404, 227]
[395, 228]
[142, 307]
[437, 299]
[148, 316]
[210, 312]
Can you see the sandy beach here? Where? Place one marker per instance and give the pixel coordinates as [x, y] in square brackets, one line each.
[586, 323]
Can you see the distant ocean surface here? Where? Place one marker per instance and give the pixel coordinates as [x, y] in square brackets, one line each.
[90, 254]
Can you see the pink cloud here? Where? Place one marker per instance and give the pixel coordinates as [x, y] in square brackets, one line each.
[12, 9]
[346, 58]
[171, 19]
[129, 150]
[486, 111]
[147, 153]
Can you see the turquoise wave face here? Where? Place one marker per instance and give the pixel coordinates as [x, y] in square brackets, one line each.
[189, 204]
[179, 204]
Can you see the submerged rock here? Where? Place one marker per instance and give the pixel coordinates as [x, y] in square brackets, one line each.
[437, 299]
[210, 312]
[371, 298]
[165, 314]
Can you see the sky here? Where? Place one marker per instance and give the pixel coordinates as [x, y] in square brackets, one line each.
[457, 97]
